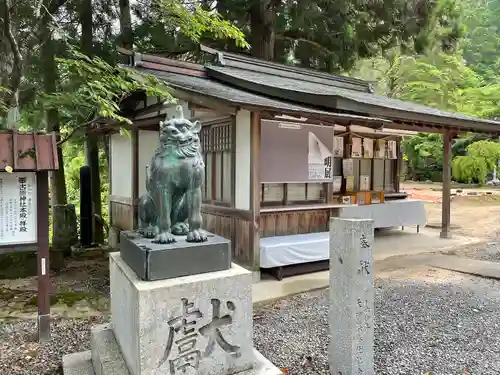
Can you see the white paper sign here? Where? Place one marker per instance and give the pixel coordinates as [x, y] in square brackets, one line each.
[391, 150]
[347, 167]
[364, 183]
[337, 184]
[316, 172]
[356, 147]
[18, 208]
[338, 147]
[367, 148]
[319, 159]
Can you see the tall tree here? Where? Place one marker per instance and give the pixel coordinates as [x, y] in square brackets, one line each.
[91, 141]
[482, 41]
[10, 97]
[126, 38]
[50, 78]
[262, 27]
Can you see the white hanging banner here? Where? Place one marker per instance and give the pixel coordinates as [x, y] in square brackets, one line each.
[319, 159]
[18, 208]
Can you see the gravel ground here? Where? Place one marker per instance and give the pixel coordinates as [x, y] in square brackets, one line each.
[440, 327]
[490, 252]
[420, 327]
[20, 354]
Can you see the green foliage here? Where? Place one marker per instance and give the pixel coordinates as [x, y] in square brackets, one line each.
[460, 145]
[487, 150]
[482, 43]
[333, 35]
[424, 154]
[92, 87]
[482, 157]
[469, 169]
[197, 22]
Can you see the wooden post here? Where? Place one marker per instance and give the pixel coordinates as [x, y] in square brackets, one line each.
[446, 198]
[255, 191]
[397, 167]
[135, 175]
[42, 199]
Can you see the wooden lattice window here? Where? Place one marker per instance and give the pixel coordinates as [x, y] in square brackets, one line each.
[217, 143]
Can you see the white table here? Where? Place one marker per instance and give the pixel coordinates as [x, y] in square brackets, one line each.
[396, 213]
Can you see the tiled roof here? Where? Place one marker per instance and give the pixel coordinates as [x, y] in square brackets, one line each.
[238, 97]
[240, 61]
[261, 85]
[337, 98]
[28, 151]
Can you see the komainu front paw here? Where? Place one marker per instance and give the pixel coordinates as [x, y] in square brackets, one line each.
[196, 236]
[180, 229]
[164, 238]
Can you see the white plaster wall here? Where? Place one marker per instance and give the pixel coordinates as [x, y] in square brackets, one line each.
[148, 142]
[242, 170]
[121, 165]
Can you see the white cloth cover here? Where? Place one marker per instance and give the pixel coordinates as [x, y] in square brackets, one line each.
[312, 247]
[296, 249]
[397, 213]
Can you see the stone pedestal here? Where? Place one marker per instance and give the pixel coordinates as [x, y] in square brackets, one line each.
[351, 297]
[151, 261]
[193, 325]
[202, 321]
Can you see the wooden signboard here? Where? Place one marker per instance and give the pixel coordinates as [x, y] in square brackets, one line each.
[25, 159]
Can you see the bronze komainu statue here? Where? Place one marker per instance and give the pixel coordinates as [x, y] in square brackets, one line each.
[172, 202]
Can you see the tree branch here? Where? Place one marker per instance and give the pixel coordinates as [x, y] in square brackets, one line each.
[56, 4]
[304, 40]
[72, 133]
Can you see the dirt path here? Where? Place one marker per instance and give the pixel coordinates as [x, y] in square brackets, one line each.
[475, 216]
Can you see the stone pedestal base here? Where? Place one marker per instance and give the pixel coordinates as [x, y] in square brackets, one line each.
[105, 358]
[193, 325]
[151, 261]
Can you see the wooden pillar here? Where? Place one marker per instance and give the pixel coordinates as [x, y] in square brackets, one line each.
[255, 191]
[446, 199]
[42, 202]
[397, 167]
[135, 175]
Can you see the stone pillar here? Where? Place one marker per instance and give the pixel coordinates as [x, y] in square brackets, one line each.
[64, 227]
[351, 297]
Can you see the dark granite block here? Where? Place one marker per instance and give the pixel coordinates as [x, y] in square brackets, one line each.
[152, 261]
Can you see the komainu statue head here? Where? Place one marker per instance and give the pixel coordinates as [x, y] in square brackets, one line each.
[180, 135]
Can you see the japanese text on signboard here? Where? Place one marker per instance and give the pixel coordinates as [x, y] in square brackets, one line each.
[17, 208]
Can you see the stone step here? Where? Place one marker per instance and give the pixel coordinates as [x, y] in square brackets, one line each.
[106, 354]
[78, 364]
[108, 360]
